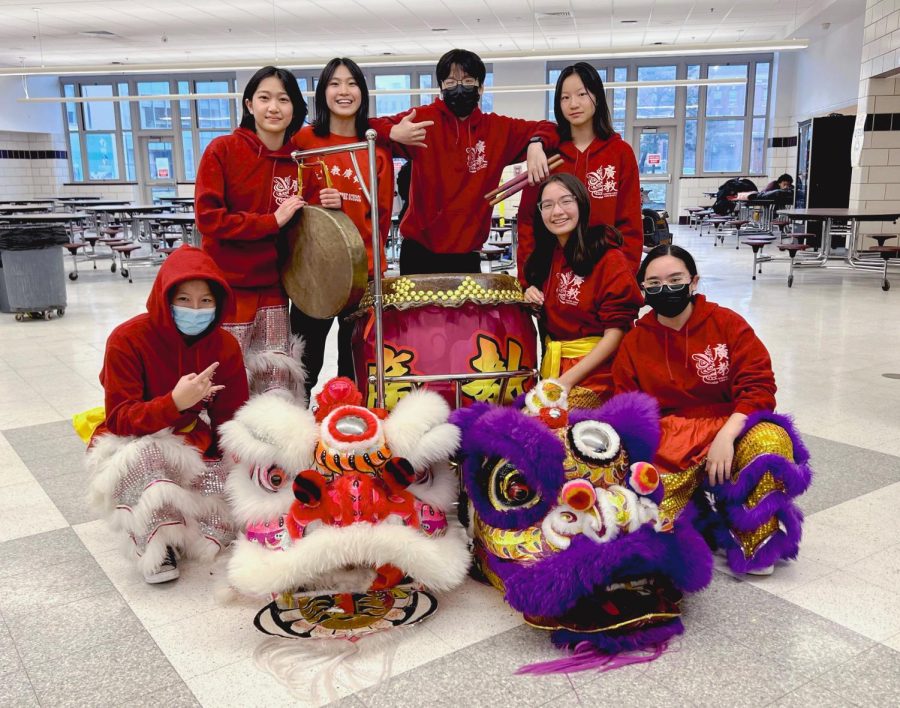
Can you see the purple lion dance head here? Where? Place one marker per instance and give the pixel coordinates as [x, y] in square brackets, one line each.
[564, 512]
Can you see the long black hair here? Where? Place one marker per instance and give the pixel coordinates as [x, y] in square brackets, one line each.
[667, 250]
[586, 244]
[322, 122]
[602, 123]
[291, 88]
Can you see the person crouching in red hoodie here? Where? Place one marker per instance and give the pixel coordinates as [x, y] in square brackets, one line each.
[244, 199]
[171, 377]
[714, 382]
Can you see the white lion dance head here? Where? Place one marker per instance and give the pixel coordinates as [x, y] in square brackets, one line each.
[344, 512]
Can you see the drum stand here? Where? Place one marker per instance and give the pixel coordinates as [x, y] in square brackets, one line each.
[378, 378]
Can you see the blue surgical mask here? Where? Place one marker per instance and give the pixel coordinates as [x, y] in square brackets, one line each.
[192, 322]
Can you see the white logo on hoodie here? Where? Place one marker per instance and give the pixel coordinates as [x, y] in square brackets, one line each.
[712, 364]
[283, 188]
[475, 157]
[601, 183]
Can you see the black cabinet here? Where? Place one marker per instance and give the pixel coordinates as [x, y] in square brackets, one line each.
[823, 165]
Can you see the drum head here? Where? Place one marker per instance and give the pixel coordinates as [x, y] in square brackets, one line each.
[326, 270]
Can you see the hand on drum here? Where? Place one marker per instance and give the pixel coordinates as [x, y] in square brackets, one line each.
[408, 132]
[193, 388]
[538, 169]
[330, 198]
[288, 208]
[533, 296]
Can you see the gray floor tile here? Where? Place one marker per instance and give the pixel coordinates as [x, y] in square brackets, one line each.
[794, 636]
[56, 585]
[834, 463]
[347, 702]
[177, 696]
[622, 688]
[69, 493]
[34, 447]
[53, 547]
[50, 632]
[110, 674]
[871, 678]
[55, 464]
[9, 657]
[37, 433]
[724, 600]
[16, 690]
[710, 669]
[810, 696]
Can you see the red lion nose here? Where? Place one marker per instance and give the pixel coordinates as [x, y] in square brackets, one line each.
[578, 494]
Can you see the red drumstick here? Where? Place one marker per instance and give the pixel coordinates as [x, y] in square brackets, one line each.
[518, 183]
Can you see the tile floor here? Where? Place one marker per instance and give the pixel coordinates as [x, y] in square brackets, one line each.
[79, 627]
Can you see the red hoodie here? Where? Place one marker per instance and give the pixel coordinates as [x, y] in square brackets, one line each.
[343, 177]
[576, 307]
[147, 355]
[609, 171]
[464, 161]
[714, 366]
[240, 184]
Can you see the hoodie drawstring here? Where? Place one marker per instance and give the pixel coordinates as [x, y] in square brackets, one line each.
[668, 367]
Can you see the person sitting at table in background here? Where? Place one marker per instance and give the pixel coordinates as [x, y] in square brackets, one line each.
[245, 197]
[597, 155]
[714, 382]
[458, 156]
[785, 181]
[171, 376]
[342, 110]
[586, 288]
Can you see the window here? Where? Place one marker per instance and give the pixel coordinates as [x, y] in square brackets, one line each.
[487, 99]
[390, 104]
[657, 101]
[726, 99]
[103, 135]
[618, 101]
[723, 146]
[425, 81]
[689, 166]
[552, 78]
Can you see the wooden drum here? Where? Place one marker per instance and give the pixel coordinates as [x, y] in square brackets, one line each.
[444, 325]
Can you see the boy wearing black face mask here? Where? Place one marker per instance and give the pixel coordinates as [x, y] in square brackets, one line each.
[458, 154]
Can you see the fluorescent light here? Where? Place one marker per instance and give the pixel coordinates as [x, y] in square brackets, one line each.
[666, 50]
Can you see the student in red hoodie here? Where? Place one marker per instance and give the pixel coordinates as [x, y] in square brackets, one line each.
[244, 198]
[458, 154]
[586, 289]
[342, 110]
[154, 461]
[713, 379]
[597, 155]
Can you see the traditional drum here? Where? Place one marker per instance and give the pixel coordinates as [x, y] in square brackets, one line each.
[448, 324]
[325, 271]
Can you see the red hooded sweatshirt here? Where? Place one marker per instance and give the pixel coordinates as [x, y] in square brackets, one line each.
[714, 366]
[343, 178]
[609, 171]
[240, 184]
[147, 355]
[464, 161]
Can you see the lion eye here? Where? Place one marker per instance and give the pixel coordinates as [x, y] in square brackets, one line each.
[271, 479]
[594, 441]
[509, 489]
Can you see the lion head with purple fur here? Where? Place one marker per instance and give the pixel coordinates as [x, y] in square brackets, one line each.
[563, 507]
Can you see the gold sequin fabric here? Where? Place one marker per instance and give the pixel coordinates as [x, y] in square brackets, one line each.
[678, 488]
[447, 290]
[751, 541]
[762, 439]
[581, 397]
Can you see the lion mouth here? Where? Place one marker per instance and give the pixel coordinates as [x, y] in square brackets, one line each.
[630, 603]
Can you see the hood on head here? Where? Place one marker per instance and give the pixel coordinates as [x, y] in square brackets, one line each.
[187, 263]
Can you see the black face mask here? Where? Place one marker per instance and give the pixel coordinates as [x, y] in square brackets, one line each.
[461, 100]
[669, 303]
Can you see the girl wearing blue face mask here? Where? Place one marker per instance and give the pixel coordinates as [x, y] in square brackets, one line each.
[171, 377]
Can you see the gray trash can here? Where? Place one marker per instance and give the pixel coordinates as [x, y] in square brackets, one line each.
[32, 276]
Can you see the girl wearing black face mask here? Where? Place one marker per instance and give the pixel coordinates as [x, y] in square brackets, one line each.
[714, 382]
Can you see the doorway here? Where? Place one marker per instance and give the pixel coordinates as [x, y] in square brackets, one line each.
[654, 148]
[156, 165]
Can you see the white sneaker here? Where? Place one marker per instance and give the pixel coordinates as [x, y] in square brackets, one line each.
[767, 570]
[166, 571]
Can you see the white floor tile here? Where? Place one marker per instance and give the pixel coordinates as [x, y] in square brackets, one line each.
[26, 510]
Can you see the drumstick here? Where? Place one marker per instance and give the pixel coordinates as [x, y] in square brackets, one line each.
[507, 190]
[552, 162]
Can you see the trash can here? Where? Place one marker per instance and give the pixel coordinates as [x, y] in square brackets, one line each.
[32, 276]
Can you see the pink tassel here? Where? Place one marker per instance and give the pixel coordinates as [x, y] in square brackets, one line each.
[586, 657]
